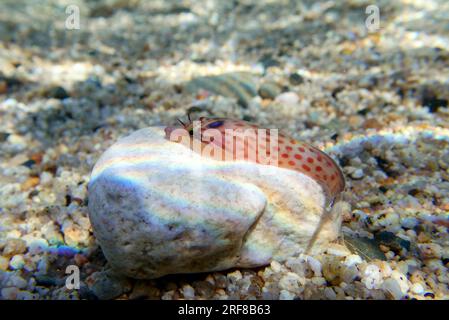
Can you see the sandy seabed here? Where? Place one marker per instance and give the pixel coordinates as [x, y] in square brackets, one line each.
[376, 101]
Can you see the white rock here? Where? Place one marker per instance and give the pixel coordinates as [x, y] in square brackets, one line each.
[297, 264]
[286, 295]
[318, 281]
[409, 222]
[402, 281]
[17, 262]
[276, 266]
[372, 277]
[393, 288]
[287, 98]
[290, 282]
[417, 288]
[430, 250]
[352, 260]
[350, 273]
[37, 246]
[330, 294]
[315, 265]
[337, 250]
[357, 174]
[158, 208]
[188, 292]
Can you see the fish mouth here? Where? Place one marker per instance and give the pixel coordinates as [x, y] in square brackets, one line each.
[168, 132]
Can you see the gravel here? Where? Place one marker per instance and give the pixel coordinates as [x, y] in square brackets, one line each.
[377, 102]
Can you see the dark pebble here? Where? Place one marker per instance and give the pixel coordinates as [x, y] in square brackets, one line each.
[247, 118]
[269, 90]
[363, 112]
[33, 194]
[68, 200]
[4, 136]
[194, 109]
[295, 79]
[29, 163]
[268, 61]
[204, 289]
[391, 240]
[86, 294]
[58, 93]
[11, 82]
[336, 91]
[414, 192]
[48, 281]
[430, 101]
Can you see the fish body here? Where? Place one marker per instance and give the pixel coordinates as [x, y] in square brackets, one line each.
[231, 140]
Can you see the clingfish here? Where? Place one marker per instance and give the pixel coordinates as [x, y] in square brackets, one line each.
[232, 140]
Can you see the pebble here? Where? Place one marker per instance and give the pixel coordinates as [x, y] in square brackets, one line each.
[409, 222]
[17, 262]
[4, 263]
[417, 288]
[9, 293]
[107, 287]
[290, 99]
[295, 79]
[405, 170]
[430, 250]
[401, 280]
[393, 288]
[204, 289]
[330, 294]
[275, 266]
[352, 260]
[188, 292]
[269, 90]
[286, 295]
[315, 265]
[80, 259]
[357, 174]
[144, 290]
[14, 246]
[58, 93]
[337, 250]
[289, 282]
[372, 277]
[30, 183]
[16, 281]
[319, 281]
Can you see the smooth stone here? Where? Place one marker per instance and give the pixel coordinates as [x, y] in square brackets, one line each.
[287, 98]
[158, 208]
[107, 286]
[393, 288]
[295, 79]
[269, 90]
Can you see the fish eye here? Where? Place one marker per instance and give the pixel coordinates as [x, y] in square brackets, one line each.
[215, 124]
[191, 132]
